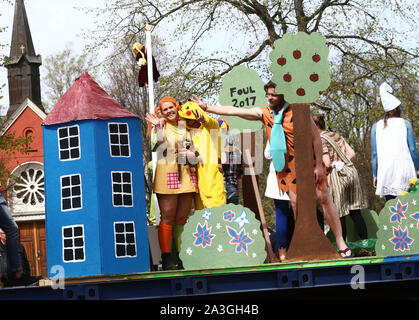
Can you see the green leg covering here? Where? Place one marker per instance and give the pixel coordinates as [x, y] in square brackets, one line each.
[177, 235]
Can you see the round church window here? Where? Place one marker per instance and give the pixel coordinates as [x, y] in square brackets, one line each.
[27, 192]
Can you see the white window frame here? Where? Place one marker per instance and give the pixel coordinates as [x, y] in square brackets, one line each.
[122, 193]
[71, 196]
[68, 138]
[73, 248]
[119, 144]
[125, 223]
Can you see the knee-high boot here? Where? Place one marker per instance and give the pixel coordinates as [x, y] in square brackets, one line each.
[165, 238]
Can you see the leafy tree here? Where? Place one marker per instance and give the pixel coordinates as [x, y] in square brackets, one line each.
[62, 69]
[249, 29]
[353, 106]
[370, 41]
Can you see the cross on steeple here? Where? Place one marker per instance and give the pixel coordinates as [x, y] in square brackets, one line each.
[22, 47]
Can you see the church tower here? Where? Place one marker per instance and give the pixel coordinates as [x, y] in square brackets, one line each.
[23, 64]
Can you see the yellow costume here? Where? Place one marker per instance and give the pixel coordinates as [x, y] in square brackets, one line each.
[205, 139]
[166, 179]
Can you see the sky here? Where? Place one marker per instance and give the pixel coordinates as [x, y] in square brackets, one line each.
[54, 24]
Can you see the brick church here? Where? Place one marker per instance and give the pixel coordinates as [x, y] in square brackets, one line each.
[25, 114]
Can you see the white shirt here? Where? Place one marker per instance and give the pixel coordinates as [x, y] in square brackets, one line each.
[272, 190]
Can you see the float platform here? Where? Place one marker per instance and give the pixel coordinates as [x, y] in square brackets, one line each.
[356, 278]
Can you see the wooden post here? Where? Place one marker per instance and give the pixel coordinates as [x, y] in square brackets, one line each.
[249, 197]
[309, 241]
[260, 207]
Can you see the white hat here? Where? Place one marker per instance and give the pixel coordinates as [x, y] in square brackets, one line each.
[389, 101]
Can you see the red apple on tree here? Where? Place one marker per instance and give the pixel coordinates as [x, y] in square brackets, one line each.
[287, 77]
[301, 92]
[282, 61]
[316, 58]
[314, 77]
[297, 54]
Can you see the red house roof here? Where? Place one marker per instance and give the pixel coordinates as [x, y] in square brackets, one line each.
[86, 100]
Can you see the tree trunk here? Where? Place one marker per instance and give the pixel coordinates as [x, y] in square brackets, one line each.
[300, 15]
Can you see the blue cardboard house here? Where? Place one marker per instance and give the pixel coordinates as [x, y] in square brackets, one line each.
[94, 185]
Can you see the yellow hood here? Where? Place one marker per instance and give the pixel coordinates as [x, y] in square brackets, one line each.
[186, 109]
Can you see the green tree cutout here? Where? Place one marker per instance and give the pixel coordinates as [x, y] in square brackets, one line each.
[398, 227]
[300, 66]
[242, 88]
[224, 236]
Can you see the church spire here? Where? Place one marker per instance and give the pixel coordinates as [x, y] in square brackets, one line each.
[23, 64]
[21, 36]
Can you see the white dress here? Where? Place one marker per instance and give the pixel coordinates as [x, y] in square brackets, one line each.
[272, 191]
[395, 164]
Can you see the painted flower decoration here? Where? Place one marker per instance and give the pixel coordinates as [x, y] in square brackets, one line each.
[401, 239]
[228, 215]
[242, 219]
[206, 215]
[203, 236]
[241, 240]
[398, 212]
[415, 216]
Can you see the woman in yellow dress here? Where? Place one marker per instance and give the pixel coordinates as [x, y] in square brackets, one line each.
[175, 184]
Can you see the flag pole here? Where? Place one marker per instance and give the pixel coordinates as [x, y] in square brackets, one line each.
[149, 69]
[151, 105]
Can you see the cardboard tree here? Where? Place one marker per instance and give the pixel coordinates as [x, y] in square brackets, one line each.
[242, 88]
[224, 236]
[398, 227]
[300, 67]
[300, 70]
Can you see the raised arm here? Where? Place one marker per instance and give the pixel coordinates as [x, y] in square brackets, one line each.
[248, 114]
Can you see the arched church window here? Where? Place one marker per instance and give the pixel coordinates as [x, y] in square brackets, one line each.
[28, 133]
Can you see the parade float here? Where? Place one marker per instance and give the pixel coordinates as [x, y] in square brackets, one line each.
[100, 247]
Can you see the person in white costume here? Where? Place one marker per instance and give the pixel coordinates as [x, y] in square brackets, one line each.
[394, 154]
[282, 206]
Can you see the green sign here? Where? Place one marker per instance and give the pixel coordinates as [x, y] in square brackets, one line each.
[300, 67]
[242, 88]
[224, 236]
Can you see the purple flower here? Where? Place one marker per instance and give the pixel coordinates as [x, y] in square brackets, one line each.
[203, 236]
[401, 239]
[228, 215]
[239, 240]
[398, 212]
